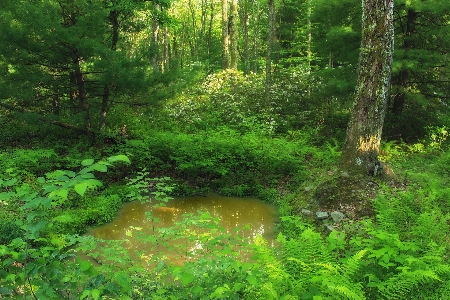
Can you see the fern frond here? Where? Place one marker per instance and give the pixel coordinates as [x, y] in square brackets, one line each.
[352, 265]
[401, 285]
[353, 293]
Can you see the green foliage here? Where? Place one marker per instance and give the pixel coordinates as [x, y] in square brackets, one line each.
[226, 159]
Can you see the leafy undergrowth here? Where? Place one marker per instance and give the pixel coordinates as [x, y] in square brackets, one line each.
[396, 250]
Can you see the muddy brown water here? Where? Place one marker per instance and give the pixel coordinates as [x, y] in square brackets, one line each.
[134, 227]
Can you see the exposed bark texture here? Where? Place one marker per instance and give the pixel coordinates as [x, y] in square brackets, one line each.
[372, 88]
[225, 37]
[233, 35]
[245, 19]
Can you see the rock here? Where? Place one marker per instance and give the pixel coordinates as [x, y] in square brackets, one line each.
[337, 216]
[329, 227]
[345, 175]
[321, 215]
[308, 188]
[306, 212]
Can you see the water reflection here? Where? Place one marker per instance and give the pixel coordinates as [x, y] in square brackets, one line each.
[143, 226]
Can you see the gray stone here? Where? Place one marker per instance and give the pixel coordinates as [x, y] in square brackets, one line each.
[337, 216]
[321, 215]
[306, 212]
[345, 174]
[308, 188]
[329, 227]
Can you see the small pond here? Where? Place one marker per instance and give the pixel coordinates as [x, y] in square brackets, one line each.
[133, 225]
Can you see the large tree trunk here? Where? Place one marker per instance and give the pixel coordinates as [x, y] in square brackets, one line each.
[363, 139]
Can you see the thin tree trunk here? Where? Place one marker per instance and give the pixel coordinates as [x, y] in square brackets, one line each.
[403, 76]
[166, 50]
[225, 41]
[309, 50]
[210, 26]
[155, 43]
[244, 17]
[193, 41]
[82, 96]
[270, 44]
[363, 138]
[114, 18]
[233, 35]
[255, 17]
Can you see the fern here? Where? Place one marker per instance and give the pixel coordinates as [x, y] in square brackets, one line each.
[401, 285]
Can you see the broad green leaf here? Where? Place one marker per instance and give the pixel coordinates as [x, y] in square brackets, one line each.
[59, 194]
[85, 294]
[81, 188]
[252, 280]
[36, 202]
[85, 265]
[63, 218]
[100, 168]
[123, 280]
[41, 179]
[96, 294]
[87, 176]
[120, 157]
[37, 227]
[187, 278]
[87, 162]
[50, 188]
[63, 178]
[10, 182]
[5, 291]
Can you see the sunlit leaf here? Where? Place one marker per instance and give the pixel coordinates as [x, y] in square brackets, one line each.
[85, 265]
[87, 162]
[187, 278]
[120, 157]
[81, 188]
[10, 182]
[124, 282]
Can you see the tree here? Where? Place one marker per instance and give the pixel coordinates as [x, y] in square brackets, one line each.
[420, 82]
[225, 35]
[270, 45]
[363, 138]
[233, 34]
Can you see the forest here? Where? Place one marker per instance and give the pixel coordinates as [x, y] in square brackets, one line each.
[335, 112]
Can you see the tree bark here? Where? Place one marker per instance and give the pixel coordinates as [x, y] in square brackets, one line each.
[233, 35]
[363, 138]
[114, 18]
[155, 43]
[270, 44]
[82, 96]
[245, 18]
[225, 37]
